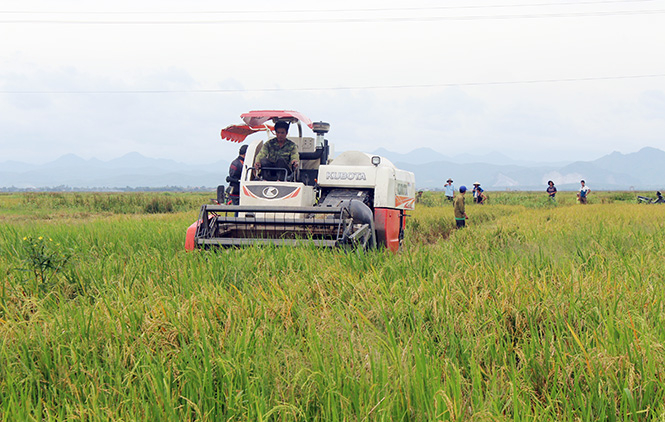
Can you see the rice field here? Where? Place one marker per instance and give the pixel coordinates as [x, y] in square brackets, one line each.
[535, 311]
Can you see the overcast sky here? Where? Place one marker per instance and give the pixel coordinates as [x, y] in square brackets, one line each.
[536, 80]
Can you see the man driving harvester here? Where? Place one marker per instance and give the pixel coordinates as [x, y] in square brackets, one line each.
[278, 153]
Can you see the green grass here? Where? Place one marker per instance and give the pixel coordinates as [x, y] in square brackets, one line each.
[533, 312]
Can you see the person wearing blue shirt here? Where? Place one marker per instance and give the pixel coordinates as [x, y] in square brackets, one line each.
[478, 195]
[551, 191]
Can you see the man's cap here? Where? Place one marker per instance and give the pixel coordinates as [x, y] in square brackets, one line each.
[476, 183]
[282, 124]
[462, 188]
[243, 149]
[449, 180]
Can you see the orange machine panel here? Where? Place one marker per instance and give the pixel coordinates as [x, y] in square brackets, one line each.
[189, 239]
[388, 223]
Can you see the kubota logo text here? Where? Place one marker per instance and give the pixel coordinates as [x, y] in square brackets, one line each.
[345, 175]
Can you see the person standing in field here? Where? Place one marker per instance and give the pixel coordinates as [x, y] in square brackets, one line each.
[583, 194]
[478, 194]
[551, 191]
[235, 171]
[450, 190]
[460, 211]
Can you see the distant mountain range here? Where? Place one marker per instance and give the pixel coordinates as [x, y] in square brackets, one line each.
[642, 170]
[132, 170]
[428, 155]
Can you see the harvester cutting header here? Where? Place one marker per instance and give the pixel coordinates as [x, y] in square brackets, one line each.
[355, 199]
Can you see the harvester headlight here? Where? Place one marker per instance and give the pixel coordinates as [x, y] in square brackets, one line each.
[376, 160]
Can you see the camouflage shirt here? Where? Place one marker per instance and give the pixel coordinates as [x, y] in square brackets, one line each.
[272, 151]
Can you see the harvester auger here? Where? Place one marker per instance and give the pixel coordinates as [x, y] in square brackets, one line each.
[355, 200]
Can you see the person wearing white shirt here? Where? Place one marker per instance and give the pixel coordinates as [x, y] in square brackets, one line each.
[583, 193]
[450, 190]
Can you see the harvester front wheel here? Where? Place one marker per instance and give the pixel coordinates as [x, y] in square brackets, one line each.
[358, 231]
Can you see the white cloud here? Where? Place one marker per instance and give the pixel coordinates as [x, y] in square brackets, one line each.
[535, 121]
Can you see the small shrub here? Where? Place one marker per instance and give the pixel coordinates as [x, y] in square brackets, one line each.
[44, 259]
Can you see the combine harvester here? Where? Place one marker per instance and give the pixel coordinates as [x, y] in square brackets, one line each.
[356, 200]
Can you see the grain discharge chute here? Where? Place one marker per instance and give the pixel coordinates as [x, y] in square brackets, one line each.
[354, 200]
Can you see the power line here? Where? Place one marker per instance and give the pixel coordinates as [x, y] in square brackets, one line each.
[344, 88]
[344, 20]
[378, 9]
